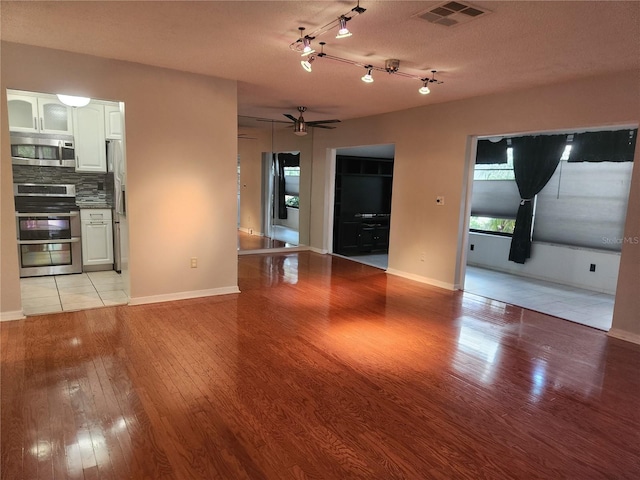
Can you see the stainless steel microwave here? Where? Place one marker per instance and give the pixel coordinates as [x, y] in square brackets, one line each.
[43, 151]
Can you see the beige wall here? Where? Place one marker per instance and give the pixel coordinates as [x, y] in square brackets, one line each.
[431, 159]
[250, 152]
[181, 168]
[626, 314]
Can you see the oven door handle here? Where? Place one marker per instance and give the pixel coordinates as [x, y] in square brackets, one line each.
[53, 240]
[50, 214]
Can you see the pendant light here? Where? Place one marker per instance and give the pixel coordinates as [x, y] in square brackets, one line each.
[73, 101]
[367, 78]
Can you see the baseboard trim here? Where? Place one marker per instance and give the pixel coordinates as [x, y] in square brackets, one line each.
[170, 297]
[299, 248]
[9, 316]
[250, 231]
[421, 279]
[321, 251]
[624, 335]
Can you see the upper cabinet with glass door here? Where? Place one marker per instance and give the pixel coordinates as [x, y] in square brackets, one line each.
[38, 114]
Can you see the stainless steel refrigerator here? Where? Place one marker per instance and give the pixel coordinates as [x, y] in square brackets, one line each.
[115, 162]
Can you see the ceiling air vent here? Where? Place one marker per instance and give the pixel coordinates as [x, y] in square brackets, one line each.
[452, 13]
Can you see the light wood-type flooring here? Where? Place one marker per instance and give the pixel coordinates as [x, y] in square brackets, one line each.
[322, 368]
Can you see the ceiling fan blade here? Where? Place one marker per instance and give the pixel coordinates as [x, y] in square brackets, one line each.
[290, 117]
[269, 120]
[319, 126]
[318, 122]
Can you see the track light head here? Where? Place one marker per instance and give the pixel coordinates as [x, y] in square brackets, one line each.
[424, 89]
[367, 78]
[307, 50]
[343, 32]
[306, 64]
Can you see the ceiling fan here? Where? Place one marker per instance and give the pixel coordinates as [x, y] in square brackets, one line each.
[300, 126]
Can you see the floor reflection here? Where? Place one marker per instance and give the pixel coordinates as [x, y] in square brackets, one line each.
[282, 237]
[477, 350]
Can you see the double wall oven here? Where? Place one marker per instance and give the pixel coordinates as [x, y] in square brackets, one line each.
[48, 229]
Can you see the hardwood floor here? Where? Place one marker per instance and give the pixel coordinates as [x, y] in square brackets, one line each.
[321, 368]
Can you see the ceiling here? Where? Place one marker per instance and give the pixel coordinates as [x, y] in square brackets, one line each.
[517, 45]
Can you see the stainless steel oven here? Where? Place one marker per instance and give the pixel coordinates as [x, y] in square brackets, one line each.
[48, 229]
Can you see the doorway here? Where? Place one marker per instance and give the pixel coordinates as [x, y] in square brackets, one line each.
[362, 203]
[578, 215]
[75, 255]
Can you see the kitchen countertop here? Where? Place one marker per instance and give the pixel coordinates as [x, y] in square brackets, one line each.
[93, 204]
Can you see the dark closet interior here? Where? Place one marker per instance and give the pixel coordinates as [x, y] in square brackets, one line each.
[362, 205]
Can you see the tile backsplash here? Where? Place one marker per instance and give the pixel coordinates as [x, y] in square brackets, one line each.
[89, 186]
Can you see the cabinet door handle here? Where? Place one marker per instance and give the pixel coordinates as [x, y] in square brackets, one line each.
[41, 123]
[77, 161]
[35, 123]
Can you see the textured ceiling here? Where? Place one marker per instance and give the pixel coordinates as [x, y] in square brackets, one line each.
[517, 45]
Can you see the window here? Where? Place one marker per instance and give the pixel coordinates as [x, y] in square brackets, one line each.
[292, 187]
[495, 194]
[496, 171]
[500, 226]
[583, 205]
[292, 201]
[291, 171]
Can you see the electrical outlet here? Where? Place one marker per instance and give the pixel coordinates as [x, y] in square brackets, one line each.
[439, 200]
[194, 262]
[592, 267]
[472, 247]
[423, 256]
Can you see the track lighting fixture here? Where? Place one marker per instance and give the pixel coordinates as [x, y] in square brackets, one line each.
[341, 22]
[392, 66]
[343, 32]
[367, 78]
[306, 64]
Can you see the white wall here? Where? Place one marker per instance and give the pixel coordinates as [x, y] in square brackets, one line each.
[292, 221]
[554, 263]
[181, 168]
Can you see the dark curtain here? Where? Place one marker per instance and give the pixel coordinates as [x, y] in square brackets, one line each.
[282, 186]
[490, 153]
[608, 146]
[534, 161]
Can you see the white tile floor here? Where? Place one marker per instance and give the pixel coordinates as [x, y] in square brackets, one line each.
[285, 234]
[586, 307]
[378, 260]
[71, 292]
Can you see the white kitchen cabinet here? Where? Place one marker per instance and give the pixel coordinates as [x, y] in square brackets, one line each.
[113, 122]
[97, 238]
[88, 124]
[40, 113]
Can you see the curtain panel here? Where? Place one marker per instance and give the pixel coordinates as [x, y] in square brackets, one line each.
[534, 161]
[282, 188]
